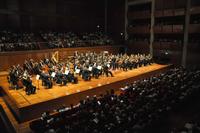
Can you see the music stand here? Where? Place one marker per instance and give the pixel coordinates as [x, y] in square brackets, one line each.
[66, 72]
[53, 75]
[38, 78]
[90, 68]
[77, 71]
[99, 67]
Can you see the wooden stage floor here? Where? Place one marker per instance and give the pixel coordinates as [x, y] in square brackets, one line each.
[23, 101]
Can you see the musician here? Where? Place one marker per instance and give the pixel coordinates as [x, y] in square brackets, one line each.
[113, 63]
[107, 71]
[61, 78]
[26, 65]
[71, 78]
[149, 59]
[15, 76]
[46, 80]
[124, 65]
[78, 67]
[95, 71]
[134, 63]
[58, 77]
[30, 88]
[46, 61]
[86, 74]
[64, 80]
[12, 77]
[36, 68]
[129, 65]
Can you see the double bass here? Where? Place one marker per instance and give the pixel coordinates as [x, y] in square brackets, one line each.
[20, 83]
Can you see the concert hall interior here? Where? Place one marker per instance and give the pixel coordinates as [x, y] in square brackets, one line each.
[99, 66]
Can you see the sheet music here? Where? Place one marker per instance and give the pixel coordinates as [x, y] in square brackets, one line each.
[78, 70]
[66, 72]
[99, 67]
[90, 69]
[37, 77]
[53, 74]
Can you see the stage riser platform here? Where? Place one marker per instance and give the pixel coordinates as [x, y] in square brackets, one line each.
[33, 111]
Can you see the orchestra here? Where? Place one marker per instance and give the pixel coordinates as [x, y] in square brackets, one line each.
[86, 65]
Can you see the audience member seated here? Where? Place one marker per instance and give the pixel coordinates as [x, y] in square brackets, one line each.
[141, 104]
[15, 41]
[69, 39]
[189, 127]
[19, 41]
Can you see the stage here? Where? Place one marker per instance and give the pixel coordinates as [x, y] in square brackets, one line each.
[27, 107]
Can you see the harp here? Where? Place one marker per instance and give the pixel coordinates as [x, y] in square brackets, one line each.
[55, 56]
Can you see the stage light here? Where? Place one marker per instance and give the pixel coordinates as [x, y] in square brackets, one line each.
[99, 85]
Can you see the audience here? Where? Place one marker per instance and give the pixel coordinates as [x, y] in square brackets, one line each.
[16, 41]
[69, 39]
[189, 127]
[19, 41]
[138, 106]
